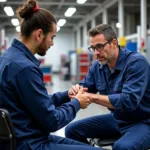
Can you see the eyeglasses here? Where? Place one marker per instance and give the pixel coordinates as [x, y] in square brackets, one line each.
[99, 47]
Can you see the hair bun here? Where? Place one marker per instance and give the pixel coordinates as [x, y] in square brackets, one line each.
[27, 10]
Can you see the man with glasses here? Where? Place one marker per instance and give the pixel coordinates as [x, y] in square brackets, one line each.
[122, 78]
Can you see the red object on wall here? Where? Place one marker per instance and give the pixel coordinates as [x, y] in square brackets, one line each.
[83, 65]
[84, 69]
[82, 77]
[42, 60]
[47, 78]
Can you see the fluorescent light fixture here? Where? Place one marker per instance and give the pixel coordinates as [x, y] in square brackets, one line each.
[118, 25]
[3, 0]
[81, 1]
[61, 22]
[15, 21]
[9, 11]
[70, 11]
[58, 28]
[18, 28]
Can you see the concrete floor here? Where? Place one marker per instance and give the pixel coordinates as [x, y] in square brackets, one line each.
[60, 85]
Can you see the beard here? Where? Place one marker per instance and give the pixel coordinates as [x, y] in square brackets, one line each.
[42, 48]
[41, 53]
[103, 62]
[106, 60]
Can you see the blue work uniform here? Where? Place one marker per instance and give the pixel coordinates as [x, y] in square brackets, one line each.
[128, 89]
[34, 113]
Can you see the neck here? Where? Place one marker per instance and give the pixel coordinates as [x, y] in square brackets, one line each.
[29, 44]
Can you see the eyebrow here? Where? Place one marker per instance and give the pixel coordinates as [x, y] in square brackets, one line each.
[96, 44]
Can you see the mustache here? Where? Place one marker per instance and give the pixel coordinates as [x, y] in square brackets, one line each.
[99, 57]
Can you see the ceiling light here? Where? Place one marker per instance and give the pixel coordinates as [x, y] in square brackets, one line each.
[9, 11]
[58, 28]
[70, 11]
[15, 21]
[118, 25]
[18, 28]
[3, 0]
[81, 1]
[61, 22]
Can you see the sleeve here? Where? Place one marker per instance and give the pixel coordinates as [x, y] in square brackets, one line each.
[89, 80]
[59, 98]
[134, 86]
[33, 95]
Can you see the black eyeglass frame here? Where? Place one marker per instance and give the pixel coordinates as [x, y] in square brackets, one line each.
[92, 48]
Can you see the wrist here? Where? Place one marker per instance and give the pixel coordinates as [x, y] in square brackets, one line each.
[93, 97]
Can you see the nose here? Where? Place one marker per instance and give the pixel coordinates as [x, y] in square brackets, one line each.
[96, 52]
[51, 43]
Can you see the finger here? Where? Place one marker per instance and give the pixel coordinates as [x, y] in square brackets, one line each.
[70, 92]
[75, 89]
[80, 91]
[78, 86]
[73, 92]
[85, 89]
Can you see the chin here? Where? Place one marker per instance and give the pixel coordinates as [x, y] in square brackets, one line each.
[103, 62]
[42, 54]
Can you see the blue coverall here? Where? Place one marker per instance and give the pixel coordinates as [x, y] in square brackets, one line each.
[33, 112]
[128, 89]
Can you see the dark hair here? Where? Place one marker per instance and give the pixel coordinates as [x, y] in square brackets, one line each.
[104, 29]
[32, 19]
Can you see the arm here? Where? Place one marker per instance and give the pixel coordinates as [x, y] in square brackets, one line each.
[134, 85]
[136, 78]
[60, 98]
[89, 81]
[31, 92]
[100, 99]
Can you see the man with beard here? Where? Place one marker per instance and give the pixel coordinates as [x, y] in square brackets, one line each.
[34, 113]
[122, 78]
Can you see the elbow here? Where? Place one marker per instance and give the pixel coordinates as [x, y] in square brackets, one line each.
[51, 123]
[130, 103]
[129, 108]
[53, 129]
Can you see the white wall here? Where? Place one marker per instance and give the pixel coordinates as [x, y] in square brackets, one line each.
[11, 35]
[63, 42]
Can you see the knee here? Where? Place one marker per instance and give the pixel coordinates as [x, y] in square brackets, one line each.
[124, 146]
[69, 130]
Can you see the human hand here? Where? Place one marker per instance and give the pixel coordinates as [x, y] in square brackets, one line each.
[74, 90]
[83, 99]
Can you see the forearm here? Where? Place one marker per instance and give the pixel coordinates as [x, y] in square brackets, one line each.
[59, 98]
[101, 99]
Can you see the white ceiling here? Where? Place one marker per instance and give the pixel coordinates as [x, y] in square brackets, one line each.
[58, 8]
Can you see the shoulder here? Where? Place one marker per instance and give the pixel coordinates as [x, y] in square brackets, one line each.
[137, 58]
[137, 63]
[15, 61]
[134, 57]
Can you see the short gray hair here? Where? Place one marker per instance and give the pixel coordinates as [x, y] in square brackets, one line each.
[104, 29]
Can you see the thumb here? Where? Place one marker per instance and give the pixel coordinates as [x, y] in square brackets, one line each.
[85, 89]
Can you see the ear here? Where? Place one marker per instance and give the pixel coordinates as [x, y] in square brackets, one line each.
[39, 35]
[114, 43]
